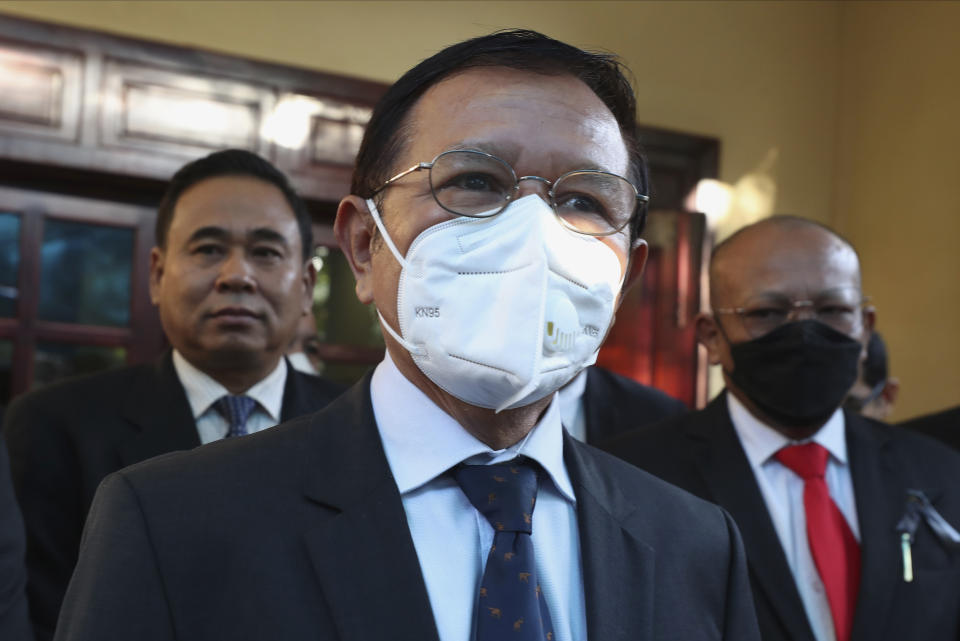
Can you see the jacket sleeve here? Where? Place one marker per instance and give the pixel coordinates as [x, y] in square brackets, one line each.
[117, 591]
[14, 624]
[45, 474]
[740, 618]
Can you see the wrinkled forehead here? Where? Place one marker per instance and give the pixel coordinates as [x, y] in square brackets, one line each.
[524, 117]
[800, 264]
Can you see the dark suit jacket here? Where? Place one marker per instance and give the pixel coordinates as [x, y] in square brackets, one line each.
[614, 404]
[14, 623]
[65, 438]
[700, 452]
[299, 533]
[944, 426]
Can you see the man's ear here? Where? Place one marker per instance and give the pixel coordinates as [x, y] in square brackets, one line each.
[309, 280]
[635, 265]
[891, 390]
[709, 336]
[156, 273]
[354, 228]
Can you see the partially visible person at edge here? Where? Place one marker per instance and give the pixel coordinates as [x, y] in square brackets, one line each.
[842, 516]
[304, 350]
[875, 392]
[14, 622]
[495, 209]
[943, 426]
[231, 280]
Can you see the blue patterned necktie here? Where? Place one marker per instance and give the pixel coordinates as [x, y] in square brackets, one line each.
[510, 602]
[236, 410]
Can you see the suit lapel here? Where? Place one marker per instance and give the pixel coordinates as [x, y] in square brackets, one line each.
[595, 408]
[358, 539]
[295, 396]
[159, 415]
[618, 566]
[879, 496]
[730, 482]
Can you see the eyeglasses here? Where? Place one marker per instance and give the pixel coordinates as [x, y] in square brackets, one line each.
[839, 308]
[476, 184]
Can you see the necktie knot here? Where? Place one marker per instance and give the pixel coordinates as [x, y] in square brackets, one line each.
[235, 409]
[504, 493]
[808, 461]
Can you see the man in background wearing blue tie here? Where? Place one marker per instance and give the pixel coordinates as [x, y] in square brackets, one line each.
[231, 278]
[495, 209]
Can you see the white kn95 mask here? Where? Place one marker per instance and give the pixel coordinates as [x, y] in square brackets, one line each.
[502, 311]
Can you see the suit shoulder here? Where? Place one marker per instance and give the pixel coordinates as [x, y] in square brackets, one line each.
[84, 396]
[629, 388]
[643, 489]
[317, 385]
[917, 448]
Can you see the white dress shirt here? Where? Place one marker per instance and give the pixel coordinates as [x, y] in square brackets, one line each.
[202, 392]
[572, 413]
[451, 537]
[782, 491]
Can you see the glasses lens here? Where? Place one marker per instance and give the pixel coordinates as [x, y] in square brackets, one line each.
[594, 202]
[471, 183]
[839, 308]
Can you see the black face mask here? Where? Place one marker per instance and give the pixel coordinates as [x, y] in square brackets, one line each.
[799, 373]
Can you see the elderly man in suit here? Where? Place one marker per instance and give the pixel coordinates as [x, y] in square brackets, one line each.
[838, 512]
[231, 278]
[494, 214]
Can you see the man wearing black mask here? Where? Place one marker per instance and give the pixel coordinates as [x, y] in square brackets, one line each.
[819, 494]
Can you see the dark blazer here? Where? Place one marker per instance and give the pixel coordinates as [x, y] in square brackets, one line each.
[299, 532]
[65, 438]
[14, 623]
[701, 453]
[614, 404]
[944, 426]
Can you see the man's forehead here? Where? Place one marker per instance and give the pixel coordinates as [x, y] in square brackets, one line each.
[803, 262]
[480, 108]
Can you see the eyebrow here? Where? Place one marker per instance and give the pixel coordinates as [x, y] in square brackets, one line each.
[212, 232]
[510, 153]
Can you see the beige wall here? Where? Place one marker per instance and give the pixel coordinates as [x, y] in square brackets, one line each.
[838, 89]
[756, 75]
[898, 177]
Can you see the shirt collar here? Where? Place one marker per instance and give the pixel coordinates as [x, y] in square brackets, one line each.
[569, 397]
[761, 442]
[203, 391]
[422, 441]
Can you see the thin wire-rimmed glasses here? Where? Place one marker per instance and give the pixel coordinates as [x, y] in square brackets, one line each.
[473, 183]
[840, 308]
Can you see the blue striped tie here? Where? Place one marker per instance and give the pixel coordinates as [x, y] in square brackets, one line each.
[510, 603]
[236, 410]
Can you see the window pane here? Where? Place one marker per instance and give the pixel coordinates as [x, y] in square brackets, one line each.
[6, 371]
[85, 273]
[55, 361]
[341, 318]
[9, 262]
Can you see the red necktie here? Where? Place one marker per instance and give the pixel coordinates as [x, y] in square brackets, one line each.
[835, 551]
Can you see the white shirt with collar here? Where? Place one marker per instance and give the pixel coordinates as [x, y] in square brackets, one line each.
[451, 537]
[573, 414]
[782, 492]
[202, 392]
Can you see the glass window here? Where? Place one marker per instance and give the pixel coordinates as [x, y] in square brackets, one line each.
[85, 273]
[341, 319]
[6, 371]
[55, 361]
[9, 262]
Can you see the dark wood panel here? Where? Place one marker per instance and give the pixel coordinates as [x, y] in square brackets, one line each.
[132, 108]
[186, 114]
[40, 91]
